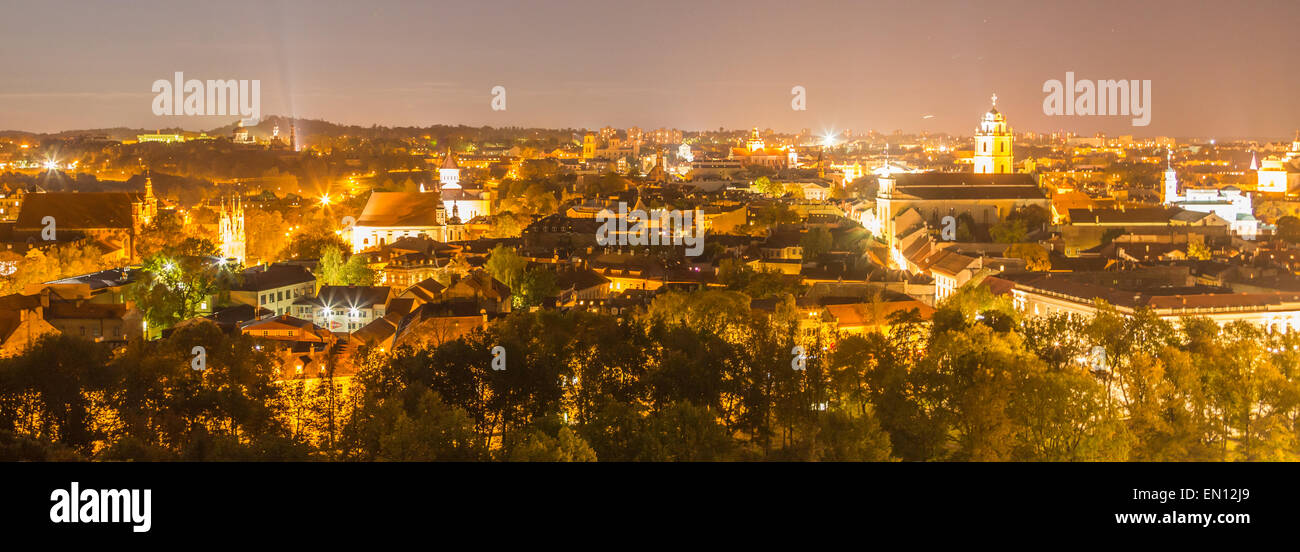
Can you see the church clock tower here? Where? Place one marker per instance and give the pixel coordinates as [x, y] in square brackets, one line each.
[993, 143]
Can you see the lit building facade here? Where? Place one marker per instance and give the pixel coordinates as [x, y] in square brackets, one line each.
[993, 143]
[1229, 203]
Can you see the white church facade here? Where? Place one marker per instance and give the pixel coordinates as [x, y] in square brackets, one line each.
[1228, 203]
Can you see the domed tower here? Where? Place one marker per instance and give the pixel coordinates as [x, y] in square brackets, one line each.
[755, 142]
[449, 172]
[993, 143]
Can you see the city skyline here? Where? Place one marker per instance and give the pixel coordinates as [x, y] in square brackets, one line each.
[909, 68]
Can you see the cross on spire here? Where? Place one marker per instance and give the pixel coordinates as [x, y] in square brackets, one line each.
[995, 100]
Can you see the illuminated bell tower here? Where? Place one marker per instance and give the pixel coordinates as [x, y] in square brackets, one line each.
[589, 146]
[755, 142]
[1171, 179]
[993, 143]
[449, 172]
[885, 208]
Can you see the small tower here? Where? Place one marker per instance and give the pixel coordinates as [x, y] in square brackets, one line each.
[589, 146]
[993, 143]
[755, 142]
[449, 172]
[1171, 179]
[884, 205]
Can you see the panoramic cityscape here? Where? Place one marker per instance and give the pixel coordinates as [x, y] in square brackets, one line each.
[224, 262]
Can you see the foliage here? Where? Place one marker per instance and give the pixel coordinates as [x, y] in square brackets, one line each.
[697, 377]
[334, 270]
[766, 186]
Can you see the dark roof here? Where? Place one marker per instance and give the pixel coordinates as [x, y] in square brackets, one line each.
[262, 278]
[449, 161]
[401, 209]
[1166, 297]
[583, 278]
[952, 263]
[446, 309]
[967, 186]
[238, 314]
[72, 210]
[10, 305]
[113, 277]
[376, 331]
[1141, 215]
[426, 290]
[462, 194]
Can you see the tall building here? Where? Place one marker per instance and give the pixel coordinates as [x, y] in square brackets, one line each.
[993, 143]
[230, 230]
[589, 146]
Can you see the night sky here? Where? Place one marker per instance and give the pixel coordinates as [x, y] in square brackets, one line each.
[1218, 69]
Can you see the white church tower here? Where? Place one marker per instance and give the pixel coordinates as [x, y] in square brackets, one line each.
[1171, 180]
[993, 143]
[449, 172]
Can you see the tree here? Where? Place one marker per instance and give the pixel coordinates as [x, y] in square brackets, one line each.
[333, 270]
[507, 225]
[815, 242]
[1199, 251]
[536, 285]
[1288, 228]
[565, 446]
[167, 231]
[174, 287]
[264, 234]
[506, 266]
[765, 186]
[309, 243]
[432, 430]
[1009, 231]
[1036, 258]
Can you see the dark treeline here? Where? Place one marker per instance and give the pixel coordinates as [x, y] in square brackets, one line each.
[694, 377]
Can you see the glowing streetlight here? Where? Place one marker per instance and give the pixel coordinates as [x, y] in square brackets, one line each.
[325, 199]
